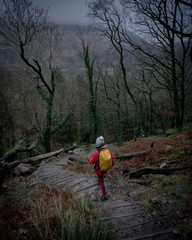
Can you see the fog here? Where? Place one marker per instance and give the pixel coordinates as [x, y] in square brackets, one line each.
[66, 11]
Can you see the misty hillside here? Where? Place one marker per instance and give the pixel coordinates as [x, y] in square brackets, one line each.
[70, 62]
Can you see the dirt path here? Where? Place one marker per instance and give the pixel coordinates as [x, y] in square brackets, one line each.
[124, 210]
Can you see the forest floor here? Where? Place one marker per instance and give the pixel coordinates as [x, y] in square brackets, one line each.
[159, 210]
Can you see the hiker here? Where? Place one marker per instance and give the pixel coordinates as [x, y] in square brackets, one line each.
[102, 153]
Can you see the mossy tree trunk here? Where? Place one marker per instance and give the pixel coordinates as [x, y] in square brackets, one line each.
[46, 134]
[92, 87]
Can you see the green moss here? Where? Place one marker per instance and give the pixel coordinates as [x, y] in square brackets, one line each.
[168, 147]
[177, 196]
[189, 152]
[18, 147]
[176, 186]
[33, 145]
[176, 156]
[188, 141]
[171, 131]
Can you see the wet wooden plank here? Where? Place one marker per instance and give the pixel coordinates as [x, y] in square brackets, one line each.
[44, 177]
[142, 223]
[122, 216]
[64, 178]
[150, 235]
[70, 180]
[127, 205]
[82, 189]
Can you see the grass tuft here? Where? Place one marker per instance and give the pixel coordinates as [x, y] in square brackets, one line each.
[57, 215]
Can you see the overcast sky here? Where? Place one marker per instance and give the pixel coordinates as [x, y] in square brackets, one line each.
[66, 11]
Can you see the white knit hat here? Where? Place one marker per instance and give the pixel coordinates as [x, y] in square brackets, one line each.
[100, 141]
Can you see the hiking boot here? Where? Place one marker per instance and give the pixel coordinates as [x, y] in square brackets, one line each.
[104, 198]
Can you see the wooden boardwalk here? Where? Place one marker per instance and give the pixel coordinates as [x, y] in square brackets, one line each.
[129, 218]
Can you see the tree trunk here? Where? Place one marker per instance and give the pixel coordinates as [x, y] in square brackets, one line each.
[136, 119]
[92, 103]
[174, 85]
[47, 129]
[148, 170]
[36, 159]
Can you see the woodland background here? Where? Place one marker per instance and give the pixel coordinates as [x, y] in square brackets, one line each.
[126, 74]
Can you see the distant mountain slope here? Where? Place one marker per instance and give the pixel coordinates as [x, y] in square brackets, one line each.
[7, 56]
[70, 62]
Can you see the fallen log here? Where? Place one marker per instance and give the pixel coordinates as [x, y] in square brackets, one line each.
[149, 170]
[19, 148]
[141, 181]
[137, 154]
[37, 158]
[8, 157]
[125, 156]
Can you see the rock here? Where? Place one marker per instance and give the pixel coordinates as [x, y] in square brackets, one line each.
[163, 165]
[23, 231]
[70, 152]
[24, 169]
[79, 151]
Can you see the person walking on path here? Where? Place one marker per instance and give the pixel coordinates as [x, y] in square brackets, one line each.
[100, 146]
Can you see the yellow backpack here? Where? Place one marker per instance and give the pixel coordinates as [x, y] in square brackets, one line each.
[105, 160]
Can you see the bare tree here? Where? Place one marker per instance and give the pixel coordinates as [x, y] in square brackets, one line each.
[168, 25]
[113, 92]
[109, 22]
[109, 19]
[28, 30]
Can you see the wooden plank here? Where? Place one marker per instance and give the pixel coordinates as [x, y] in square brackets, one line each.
[142, 223]
[44, 177]
[64, 175]
[118, 199]
[70, 180]
[126, 205]
[62, 179]
[154, 234]
[83, 180]
[122, 216]
[86, 187]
